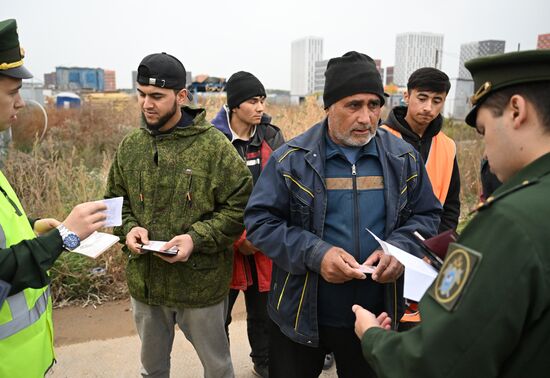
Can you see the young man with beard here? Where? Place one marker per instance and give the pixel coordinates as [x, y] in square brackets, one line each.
[309, 212]
[486, 314]
[184, 183]
[26, 330]
[249, 129]
[419, 123]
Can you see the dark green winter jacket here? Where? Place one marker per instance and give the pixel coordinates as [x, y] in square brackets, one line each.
[190, 181]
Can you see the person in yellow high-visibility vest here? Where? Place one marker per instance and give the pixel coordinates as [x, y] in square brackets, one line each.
[26, 332]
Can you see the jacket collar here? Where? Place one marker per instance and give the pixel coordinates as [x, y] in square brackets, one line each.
[193, 121]
[222, 123]
[333, 149]
[313, 141]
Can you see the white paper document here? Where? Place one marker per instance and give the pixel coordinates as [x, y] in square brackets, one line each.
[418, 274]
[367, 269]
[113, 212]
[95, 244]
[155, 245]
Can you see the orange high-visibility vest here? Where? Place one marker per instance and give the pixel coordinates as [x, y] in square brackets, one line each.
[440, 162]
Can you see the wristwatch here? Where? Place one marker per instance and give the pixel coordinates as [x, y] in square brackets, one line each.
[70, 239]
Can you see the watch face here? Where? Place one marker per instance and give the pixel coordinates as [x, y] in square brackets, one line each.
[71, 241]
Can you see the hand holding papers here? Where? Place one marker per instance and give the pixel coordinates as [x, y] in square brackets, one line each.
[418, 275]
[98, 242]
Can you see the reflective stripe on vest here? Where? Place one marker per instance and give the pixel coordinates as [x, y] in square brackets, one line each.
[440, 162]
[22, 316]
[2, 238]
[26, 330]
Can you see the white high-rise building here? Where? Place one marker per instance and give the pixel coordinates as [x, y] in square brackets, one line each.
[476, 49]
[305, 52]
[320, 68]
[457, 103]
[414, 51]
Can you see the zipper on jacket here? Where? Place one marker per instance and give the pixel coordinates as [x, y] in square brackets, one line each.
[189, 172]
[355, 212]
[141, 191]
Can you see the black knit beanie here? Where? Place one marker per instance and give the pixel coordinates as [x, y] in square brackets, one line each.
[242, 86]
[351, 74]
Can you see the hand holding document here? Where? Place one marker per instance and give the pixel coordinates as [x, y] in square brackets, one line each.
[98, 242]
[113, 212]
[418, 275]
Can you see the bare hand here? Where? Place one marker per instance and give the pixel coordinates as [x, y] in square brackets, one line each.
[136, 238]
[41, 226]
[365, 319]
[388, 269]
[184, 244]
[247, 248]
[86, 218]
[339, 266]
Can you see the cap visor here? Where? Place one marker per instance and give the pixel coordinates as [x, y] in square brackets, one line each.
[18, 73]
[472, 116]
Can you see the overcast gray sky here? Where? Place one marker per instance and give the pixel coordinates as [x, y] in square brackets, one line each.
[221, 37]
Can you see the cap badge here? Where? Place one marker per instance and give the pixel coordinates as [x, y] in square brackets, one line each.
[482, 91]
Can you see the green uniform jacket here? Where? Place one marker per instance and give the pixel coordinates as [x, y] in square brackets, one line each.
[500, 325]
[188, 181]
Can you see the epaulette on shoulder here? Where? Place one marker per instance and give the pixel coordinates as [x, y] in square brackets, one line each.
[492, 199]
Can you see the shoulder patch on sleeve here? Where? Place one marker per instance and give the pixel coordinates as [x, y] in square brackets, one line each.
[455, 275]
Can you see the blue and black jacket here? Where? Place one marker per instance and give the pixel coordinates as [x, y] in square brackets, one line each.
[286, 213]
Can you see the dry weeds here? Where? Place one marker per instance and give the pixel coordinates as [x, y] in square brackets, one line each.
[71, 163]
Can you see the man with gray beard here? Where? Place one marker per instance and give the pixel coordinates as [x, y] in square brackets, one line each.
[309, 212]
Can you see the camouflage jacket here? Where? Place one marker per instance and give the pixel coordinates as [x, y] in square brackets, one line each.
[188, 181]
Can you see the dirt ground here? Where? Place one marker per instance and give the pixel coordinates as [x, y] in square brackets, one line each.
[101, 342]
[110, 320]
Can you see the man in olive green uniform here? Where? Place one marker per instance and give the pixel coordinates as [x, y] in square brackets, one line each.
[487, 314]
[183, 183]
[26, 331]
